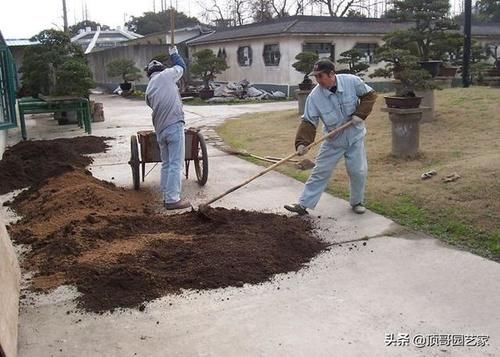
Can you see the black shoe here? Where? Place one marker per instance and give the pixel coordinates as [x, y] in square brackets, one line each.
[296, 208]
[359, 208]
[181, 204]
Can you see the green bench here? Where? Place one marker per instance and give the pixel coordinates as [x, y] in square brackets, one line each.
[47, 104]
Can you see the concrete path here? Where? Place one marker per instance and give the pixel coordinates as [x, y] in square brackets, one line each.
[401, 288]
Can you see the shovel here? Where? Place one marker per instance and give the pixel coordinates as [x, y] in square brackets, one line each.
[203, 208]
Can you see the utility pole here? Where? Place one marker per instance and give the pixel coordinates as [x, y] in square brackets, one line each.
[65, 16]
[467, 43]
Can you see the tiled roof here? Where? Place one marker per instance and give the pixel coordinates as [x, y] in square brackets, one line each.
[20, 42]
[321, 25]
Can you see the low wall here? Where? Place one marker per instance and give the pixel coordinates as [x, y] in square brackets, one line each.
[3, 142]
[10, 276]
[140, 54]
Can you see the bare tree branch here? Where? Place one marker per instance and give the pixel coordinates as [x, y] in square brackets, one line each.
[346, 8]
[341, 8]
[280, 7]
[239, 11]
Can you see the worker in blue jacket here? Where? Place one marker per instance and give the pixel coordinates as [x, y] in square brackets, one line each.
[337, 99]
[162, 95]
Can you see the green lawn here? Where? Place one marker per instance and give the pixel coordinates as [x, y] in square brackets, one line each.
[464, 139]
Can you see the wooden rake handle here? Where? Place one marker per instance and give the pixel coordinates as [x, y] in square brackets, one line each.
[273, 166]
[172, 25]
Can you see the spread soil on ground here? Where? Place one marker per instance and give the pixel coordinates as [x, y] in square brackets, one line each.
[120, 249]
[30, 162]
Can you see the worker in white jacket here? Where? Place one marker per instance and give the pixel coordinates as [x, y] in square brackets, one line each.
[336, 99]
[162, 95]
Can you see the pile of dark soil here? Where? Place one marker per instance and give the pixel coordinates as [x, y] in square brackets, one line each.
[30, 162]
[118, 252]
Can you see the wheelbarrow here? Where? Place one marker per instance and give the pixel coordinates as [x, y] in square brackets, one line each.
[145, 150]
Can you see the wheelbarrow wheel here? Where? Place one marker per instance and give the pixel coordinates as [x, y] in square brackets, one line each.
[135, 162]
[201, 161]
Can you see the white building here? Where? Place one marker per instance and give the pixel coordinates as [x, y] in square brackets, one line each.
[91, 40]
[263, 53]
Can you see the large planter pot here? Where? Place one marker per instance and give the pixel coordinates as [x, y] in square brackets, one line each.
[431, 66]
[447, 71]
[206, 94]
[125, 86]
[64, 118]
[403, 102]
[306, 85]
[189, 94]
[494, 72]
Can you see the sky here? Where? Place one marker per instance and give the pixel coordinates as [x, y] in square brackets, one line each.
[25, 18]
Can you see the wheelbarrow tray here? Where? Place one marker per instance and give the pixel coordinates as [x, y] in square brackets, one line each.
[150, 150]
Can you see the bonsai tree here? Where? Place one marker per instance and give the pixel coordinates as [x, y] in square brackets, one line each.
[207, 65]
[73, 77]
[402, 65]
[125, 69]
[305, 63]
[353, 59]
[432, 26]
[41, 63]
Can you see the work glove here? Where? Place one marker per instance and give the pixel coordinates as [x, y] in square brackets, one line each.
[356, 120]
[302, 150]
[172, 50]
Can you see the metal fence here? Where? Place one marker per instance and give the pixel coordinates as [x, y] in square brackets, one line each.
[8, 86]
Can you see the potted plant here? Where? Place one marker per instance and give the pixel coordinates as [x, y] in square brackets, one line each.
[432, 26]
[305, 63]
[404, 67]
[446, 48]
[56, 67]
[42, 63]
[207, 65]
[126, 70]
[353, 60]
[73, 78]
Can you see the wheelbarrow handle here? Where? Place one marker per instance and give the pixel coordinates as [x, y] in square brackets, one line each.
[282, 161]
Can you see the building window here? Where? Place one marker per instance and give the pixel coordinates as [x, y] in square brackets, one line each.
[272, 55]
[367, 51]
[222, 53]
[322, 49]
[245, 56]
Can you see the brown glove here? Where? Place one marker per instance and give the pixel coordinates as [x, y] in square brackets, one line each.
[306, 133]
[365, 105]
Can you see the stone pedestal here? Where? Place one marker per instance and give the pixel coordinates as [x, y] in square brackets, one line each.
[444, 82]
[301, 97]
[427, 101]
[98, 112]
[493, 81]
[405, 130]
